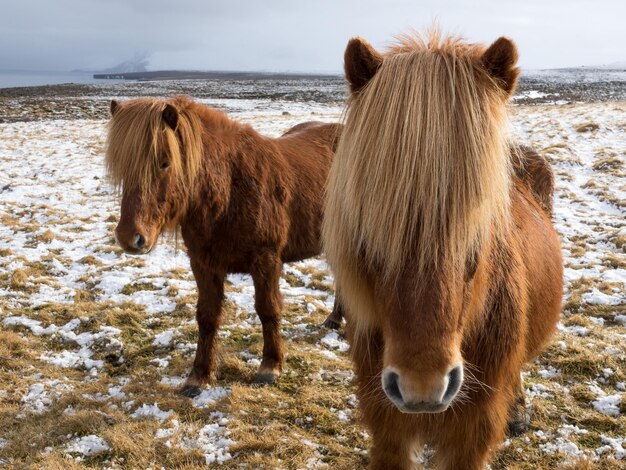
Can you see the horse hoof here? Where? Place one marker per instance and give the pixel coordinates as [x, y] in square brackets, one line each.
[191, 391]
[519, 421]
[516, 429]
[265, 378]
[331, 324]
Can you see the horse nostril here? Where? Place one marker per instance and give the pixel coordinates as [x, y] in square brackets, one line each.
[390, 385]
[455, 378]
[140, 241]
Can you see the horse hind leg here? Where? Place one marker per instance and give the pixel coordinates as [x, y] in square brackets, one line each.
[268, 305]
[333, 321]
[519, 413]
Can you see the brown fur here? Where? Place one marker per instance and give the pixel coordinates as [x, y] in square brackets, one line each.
[361, 62]
[536, 172]
[244, 203]
[442, 245]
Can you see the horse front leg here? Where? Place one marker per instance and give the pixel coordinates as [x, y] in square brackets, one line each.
[268, 304]
[210, 297]
[475, 429]
[394, 449]
[395, 440]
[472, 435]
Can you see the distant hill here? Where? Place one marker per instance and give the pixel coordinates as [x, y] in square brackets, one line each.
[136, 65]
[211, 75]
[619, 65]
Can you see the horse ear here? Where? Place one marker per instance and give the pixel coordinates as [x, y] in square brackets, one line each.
[114, 105]
[500, 60]
[361, 62]
[170, 116]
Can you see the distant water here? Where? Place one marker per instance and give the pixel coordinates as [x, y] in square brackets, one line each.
[20, 78]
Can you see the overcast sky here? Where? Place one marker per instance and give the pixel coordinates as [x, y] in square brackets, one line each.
[292, 35]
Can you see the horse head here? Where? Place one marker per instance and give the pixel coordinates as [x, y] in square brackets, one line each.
[153, 153]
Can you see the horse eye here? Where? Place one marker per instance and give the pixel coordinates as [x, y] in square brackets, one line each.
[164, 165]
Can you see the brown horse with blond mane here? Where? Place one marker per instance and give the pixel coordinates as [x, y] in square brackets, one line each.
[439, 233]
[244, 203]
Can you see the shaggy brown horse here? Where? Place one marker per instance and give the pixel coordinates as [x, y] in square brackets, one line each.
[445, 257]
[244, 203]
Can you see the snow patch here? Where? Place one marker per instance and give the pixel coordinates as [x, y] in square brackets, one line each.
[615, 445]
[164, 339]
[213, 440]
[87, 446]
[210, 396]
[332, 340]
[151, 412]
[608, 405]
[595, 297]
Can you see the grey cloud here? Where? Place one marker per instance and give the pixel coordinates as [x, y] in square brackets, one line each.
[291, 35]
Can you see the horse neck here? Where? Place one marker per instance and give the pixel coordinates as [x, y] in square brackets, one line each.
[215, 121]
[228, 147]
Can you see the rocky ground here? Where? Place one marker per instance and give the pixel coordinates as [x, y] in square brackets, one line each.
[73, 101]
[94, 344]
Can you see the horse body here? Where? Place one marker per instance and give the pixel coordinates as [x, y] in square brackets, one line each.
[250, 204]
[444, 254]
[272, 199]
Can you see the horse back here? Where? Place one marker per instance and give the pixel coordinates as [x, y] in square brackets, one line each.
[326, 134]
[308, 150]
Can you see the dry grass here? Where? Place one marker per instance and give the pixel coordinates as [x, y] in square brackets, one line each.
[297, 409]
[609, 164]
[47, 236]
[587, 127]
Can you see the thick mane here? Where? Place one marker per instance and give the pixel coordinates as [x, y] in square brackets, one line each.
[139, 139]
[421, 170]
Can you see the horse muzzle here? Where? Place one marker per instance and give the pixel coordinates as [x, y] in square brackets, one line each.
[411, 397]
[137, 245]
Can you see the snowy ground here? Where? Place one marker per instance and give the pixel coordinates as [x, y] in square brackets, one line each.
[94, 344]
